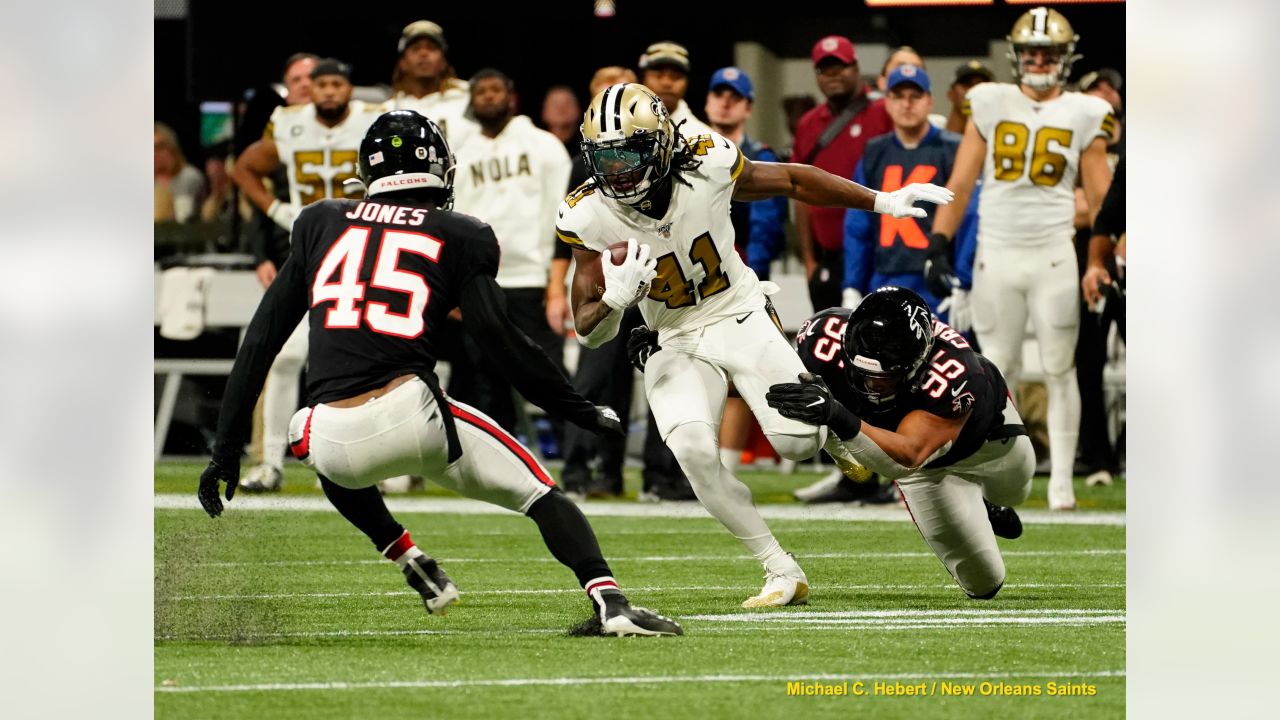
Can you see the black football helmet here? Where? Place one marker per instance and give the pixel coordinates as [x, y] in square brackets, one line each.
[886, 343]
[404, 150]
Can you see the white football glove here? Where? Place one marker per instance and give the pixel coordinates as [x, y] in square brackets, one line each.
[961, 313]
[283, 214]
[626, 283]
[901, 203]
[850, 298]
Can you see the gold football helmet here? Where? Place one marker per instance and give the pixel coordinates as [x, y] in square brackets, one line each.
[1042, 37]
[627, 140]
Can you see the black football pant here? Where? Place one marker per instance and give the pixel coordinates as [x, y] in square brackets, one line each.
[826, 285]
[1096, 452]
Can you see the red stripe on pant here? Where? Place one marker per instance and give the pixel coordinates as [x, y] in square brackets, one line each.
[505, 438]
[302, 448]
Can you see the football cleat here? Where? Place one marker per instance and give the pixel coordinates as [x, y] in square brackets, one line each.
[1005, 522]
[616, 616]
[437, 590]
[844, 459]
[1102, 477]
[263, 478]
[781, 590]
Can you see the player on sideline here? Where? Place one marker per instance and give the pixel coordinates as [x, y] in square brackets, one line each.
[911, 400]
[705, 305]
[1030, 142]
[377, 279]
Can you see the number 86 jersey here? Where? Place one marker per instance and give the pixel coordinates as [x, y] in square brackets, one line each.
[1033, 157]
[956, 380]
[700, 277]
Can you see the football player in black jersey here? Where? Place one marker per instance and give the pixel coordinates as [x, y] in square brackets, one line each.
[911, 400]
[378, 278]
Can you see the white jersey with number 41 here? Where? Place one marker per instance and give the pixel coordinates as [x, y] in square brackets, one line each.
[701, 279]
[1033, 158]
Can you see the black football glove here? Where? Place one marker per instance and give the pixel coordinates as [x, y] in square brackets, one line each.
[218, 472]
[810, 402]
[939, 275]
[607, 423]
[641, 346]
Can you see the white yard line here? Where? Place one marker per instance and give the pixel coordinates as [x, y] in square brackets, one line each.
[629, 589]
[642, 680]
[662, 558]
[462, 506]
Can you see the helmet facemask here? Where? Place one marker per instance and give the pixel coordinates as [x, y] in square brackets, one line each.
[869, 378]
[1058, 59]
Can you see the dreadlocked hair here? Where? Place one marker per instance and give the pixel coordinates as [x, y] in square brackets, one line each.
[683, 158]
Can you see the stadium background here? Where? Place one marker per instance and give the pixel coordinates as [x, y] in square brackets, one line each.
[217, 50]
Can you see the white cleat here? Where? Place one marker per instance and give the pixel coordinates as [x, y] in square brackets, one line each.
[827, 484]
[780, 590]
[1102, 477]
[263, 478]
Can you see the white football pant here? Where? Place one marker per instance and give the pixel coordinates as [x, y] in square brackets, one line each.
[402, 433]
[280, 395]
[946, 505]
[1009, 284]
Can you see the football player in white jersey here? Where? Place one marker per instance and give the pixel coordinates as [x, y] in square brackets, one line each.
[318, 144]
[425, 82]
[1030, 142]
[667, 198]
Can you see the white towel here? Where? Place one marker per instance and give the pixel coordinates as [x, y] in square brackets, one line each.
[182, 299]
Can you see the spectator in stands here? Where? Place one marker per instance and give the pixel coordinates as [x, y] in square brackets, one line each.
[664, 69]
[902, 55]
[832, 136]
[425, 81]
[974, 72]
[179, 187]
[512, 176]
[757, 226]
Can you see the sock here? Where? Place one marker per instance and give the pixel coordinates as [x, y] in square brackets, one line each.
[731, 459]
[601, 588]
[402, 551]
[569, 537]
[770, 554]
[365, 509]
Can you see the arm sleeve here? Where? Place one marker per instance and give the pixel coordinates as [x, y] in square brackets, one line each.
[484, 315]
[277, 316]
[1110, 219]
[859, 250]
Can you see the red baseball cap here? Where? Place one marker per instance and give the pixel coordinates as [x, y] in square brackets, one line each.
[836, 46]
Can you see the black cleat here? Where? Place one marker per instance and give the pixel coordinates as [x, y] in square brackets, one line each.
[1005, 522]
[436, 589]
[616, 616]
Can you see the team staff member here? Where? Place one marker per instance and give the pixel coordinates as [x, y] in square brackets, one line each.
[511, 175]
[424, 81]
[833, 136]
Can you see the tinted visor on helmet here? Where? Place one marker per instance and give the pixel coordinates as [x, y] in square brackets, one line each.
[624, 169]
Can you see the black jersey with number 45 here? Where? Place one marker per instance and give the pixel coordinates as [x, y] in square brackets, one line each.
[381, 278]
[956, 380]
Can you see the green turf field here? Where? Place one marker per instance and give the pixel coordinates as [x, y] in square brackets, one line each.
[289, 612]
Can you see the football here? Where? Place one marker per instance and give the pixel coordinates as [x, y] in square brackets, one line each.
[594, 271]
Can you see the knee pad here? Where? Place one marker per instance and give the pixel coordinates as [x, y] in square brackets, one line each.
[798, 447]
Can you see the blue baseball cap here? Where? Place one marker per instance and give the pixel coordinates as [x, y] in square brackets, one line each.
[908, 74]
[735, 79]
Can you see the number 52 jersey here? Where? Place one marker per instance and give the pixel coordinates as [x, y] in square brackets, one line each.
[700, 277]
[1033, 158]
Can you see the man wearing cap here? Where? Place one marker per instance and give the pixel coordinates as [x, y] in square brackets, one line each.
[974, 72]
[832, 136]
[425, 81]
[664, 69]
[318, 146]
[757, 225]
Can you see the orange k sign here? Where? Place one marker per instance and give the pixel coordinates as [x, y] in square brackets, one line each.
[891, 227]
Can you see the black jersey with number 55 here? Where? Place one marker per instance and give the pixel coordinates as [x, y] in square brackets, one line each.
[956, 381]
